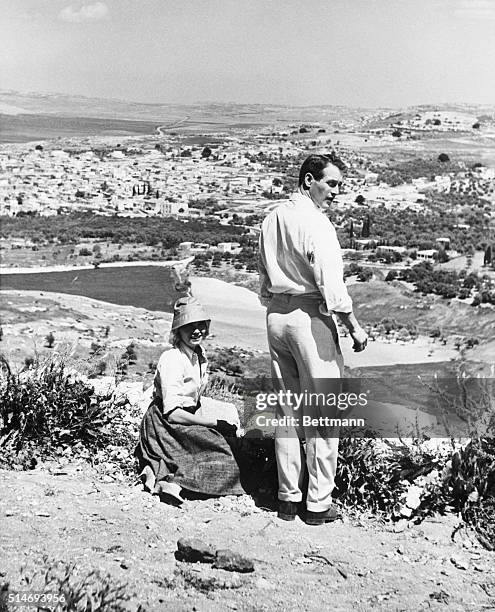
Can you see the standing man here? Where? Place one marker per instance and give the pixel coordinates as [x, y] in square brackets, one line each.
[301, 275]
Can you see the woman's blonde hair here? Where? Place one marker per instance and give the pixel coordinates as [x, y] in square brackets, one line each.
[174, 338]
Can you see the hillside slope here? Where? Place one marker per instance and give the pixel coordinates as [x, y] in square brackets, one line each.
[71, 516]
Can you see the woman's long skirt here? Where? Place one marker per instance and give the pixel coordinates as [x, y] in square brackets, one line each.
[196, 457]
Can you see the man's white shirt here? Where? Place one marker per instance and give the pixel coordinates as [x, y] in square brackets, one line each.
[300, 254]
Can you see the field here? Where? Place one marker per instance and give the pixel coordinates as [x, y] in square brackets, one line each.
[26, 128]
[461, 263]
[149, 287]
[463, 147]
[376, 300]
[18, 256]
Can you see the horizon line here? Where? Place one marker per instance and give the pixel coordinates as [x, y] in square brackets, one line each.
[232, 103]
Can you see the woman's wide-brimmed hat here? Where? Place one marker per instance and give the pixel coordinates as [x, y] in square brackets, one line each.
[188, 310]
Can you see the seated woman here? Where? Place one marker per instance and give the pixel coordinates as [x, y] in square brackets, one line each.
[180, 448]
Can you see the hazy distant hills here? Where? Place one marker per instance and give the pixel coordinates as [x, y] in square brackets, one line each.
[28, 117]
[14, 103]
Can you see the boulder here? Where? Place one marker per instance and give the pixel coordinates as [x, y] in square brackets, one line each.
[232, 562]
[194, 550]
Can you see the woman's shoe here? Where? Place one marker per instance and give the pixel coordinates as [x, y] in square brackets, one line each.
[169, 492]
[147, 477]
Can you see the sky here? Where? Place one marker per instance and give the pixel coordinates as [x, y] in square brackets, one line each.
[366, 53]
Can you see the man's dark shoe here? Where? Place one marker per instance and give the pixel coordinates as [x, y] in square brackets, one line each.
[287, 510]
[320, 518]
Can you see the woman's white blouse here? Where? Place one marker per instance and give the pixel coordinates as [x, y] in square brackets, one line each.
[180, 378]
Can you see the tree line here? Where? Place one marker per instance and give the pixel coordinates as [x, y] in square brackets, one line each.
[446, 283]
[414, 229]
[404, 172]
[77, 227]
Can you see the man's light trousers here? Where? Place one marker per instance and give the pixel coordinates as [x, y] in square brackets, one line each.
[306, 359]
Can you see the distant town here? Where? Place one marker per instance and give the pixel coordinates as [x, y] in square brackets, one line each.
[391, 214]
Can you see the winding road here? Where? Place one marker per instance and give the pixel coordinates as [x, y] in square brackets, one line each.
[174, 124]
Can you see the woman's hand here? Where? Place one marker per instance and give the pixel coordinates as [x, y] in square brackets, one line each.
[183, 417]
[226, 429]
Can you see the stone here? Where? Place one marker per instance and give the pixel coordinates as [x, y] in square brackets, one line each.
[232, 562]
[459, 562]
[193, 550]
[413, 497]
[441, 596]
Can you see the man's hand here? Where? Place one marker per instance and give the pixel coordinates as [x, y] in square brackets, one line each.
[357, 333]
[360, 338]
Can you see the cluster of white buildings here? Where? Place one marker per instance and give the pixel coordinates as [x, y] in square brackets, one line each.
[193, 248]
[132, 181]
[163, 179]
[439, 121]
[479, 181]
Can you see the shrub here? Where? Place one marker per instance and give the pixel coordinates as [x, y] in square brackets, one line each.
[96, 348]
[76, 591]
[99, 368]
[228, 360]
[473, 487]
[365, 274]
[122, 366]
[130, 353]
[28, 362]
[47, 409]
[374, 475]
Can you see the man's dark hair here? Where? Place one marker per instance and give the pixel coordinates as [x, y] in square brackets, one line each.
[316, 164]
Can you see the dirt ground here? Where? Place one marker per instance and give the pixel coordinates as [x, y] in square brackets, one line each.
[70, 513]
[73, 514]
